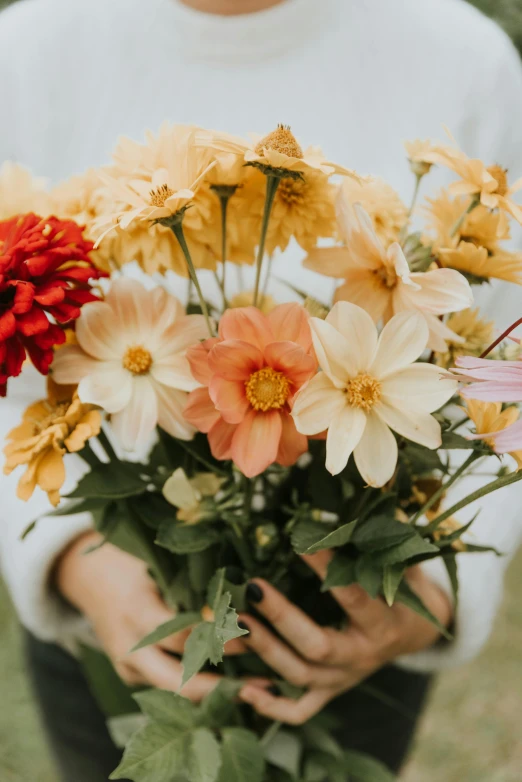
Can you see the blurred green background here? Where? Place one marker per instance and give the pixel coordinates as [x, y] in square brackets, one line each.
[473, 729]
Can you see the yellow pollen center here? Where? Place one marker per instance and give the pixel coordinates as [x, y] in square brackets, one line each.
[500, 174]
[137, 360]
[267, 389]
[387, 277]
[363, 391]
[160, 195]
[281, 140]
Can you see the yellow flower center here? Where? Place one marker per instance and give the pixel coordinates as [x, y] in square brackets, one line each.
[292, 192]
[55, 412]
[267, 389]
[137, 360]
[363, 391]
[386, 277]
[281, 140]
[500, 174]
[160, 195]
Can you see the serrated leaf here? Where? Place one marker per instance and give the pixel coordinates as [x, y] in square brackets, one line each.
[197, 650]
[363, 768]
[381, 532]
[204, 756]
[340, 573]
[216, 587]
[116, 480]
[308, 537]
[166, 706]
[369, 575]
[185, 539]
[415, 546]
[242, 756]
[409, 598]
[175, 625]
[225, 628]
[152, 754]
[391, 578]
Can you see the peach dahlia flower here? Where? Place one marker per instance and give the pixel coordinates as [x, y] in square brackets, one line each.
[130, 360]
[379, 278]
[368, 386]
[250, 375]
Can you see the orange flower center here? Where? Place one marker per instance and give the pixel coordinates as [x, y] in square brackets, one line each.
[500, 174]
[267, 389]
[160, 195]
[280, 140]
[363, 391]
[137, 360]
[386, 277]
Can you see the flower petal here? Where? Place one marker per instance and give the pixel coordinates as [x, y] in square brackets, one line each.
[376, 454]
[200, 410]
[358, 328]
[134, 424]
[220, 439]
[329, 261]
[423, 386]
[292, 361]
[256, 442]
[343, 436]
[291, 322]
[71, 364]
[183, 334]
[130, 303]
[235, 359]
[336, 356]
[198, 360]
[174, 372]
[363, 288]
[317, 404]
[229, 398]
[416, 425]
[99, 333]
[109, 387]
[401, 342]
[292, 444]
[247, 324]
[441, 291]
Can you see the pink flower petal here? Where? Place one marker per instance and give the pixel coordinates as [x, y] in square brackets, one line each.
[198, 359]
[494, 391]
[292, 444]
[200, 410]
[247, 324]
[292, 361]
[229, 398]
[235, 359]
[220, 439]
[290, 322]
[256, 442]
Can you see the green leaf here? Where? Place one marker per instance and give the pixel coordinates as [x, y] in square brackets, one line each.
[363, 768]
[341, 572]
[242, 756]
[116, 480]
[204, 756]
[219, 708]
[153, 754]
[225, 627]
[184, 539]
[381, 532]
[450, 562]
[154, 510]
[409, 598]
[369, 575]
[197, 650]
[285, 750]
[308, 537]
[454, 441]
[392, 577]
[173, 626]
[165, 706]
[415, 546]
[114, 697]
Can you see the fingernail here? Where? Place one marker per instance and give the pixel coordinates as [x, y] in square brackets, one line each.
[254, 593]
[274, 690]
[243, 626]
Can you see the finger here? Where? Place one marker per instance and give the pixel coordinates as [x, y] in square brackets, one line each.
[308, 638]
[284, 660]
[235, 647]
[165, 673]
[372, 616]
[285, 709]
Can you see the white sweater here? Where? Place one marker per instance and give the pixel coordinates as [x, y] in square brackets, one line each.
[357, 77]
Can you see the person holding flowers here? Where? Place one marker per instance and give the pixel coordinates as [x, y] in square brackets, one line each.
[270, 380]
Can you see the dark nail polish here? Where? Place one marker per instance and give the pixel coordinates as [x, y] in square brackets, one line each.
[274, 690]
[254, 593]
[243, 626]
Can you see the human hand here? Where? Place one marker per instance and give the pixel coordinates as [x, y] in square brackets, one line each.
[115, 592]
[326, 661]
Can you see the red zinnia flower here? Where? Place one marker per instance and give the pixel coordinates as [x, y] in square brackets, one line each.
[45, 270]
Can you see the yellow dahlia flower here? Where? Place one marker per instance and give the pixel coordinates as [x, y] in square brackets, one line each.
[476, 261]
[482, 227]
[383, 204]
[50, 428]
[420, 155]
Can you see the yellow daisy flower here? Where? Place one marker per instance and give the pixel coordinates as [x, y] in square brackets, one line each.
[475, 334]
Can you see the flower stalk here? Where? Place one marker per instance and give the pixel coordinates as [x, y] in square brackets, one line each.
[272, 183]
[441, 491]
[458, 225]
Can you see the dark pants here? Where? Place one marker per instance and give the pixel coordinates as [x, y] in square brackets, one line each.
[379, 719]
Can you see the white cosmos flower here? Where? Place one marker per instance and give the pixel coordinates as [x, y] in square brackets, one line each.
[368, 386]
[130, 360]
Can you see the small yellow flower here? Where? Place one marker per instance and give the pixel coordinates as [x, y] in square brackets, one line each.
[50, 428]
[380, 201]
[481, 227]
[476, 334]
[489, 417]
[476, 261]
[189, 494]
[420, 155]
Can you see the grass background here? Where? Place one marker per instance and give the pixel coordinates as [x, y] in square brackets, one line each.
[471, 732]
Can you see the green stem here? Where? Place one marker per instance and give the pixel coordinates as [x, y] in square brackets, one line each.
[88, 456]
[270, 733]
[458, 424]
[177, 229]
[223, 200]
[458, 225]
[107, 447]
[443, 489]
[499, 483]
[272, 183]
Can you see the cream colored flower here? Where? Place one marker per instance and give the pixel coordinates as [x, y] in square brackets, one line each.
[189, 495]
[475, 335]
[50, 428]
[369, 386]
[380, 281]
[130, 360]
[279, 150]
[383, 204]
[20, 192]
[420, 155]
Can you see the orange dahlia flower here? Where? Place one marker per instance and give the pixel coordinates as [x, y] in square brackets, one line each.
[250, 374]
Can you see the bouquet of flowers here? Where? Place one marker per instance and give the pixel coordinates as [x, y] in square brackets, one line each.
[276, 431]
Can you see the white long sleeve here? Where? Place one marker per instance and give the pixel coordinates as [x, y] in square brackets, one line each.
[333, 70]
